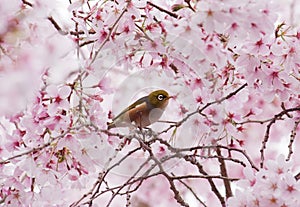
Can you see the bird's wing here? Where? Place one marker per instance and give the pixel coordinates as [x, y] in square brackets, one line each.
[134, 105]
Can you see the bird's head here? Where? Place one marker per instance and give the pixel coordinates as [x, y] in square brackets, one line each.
[159, 99]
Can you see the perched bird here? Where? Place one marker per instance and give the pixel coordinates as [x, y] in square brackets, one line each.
[143, 112]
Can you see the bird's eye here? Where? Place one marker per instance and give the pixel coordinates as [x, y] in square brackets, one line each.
[160, 97]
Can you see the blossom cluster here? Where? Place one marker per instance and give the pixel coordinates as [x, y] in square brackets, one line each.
[274, 186]
[232, 67]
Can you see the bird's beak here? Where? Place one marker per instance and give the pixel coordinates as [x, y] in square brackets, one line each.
[173, 96]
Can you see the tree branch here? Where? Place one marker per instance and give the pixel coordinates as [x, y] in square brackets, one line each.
[27, 3]
[36, 149]
[292, 139]
[163, 10]
[110, 33]
[57, 27]
[193, 192]
[267, 133]
[223, 171]
[192, 160]
[200, 110]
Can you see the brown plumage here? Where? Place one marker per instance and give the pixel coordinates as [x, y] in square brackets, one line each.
[143, 112]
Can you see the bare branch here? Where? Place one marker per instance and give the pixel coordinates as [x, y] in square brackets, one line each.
[297, 177]
[27, 3]
[213, 186]
[292, 139]
[267, 134]
[224, 174]
[163, 10]
[57, 27]
[192, 191]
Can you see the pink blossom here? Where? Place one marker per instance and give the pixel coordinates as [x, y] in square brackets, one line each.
[58, 98]
[280, 166]
[274, 186]
[231, 68]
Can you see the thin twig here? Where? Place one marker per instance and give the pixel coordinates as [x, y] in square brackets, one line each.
[297, 177]
[200, 110]
[183, 177]
[27, 3]
[213, 186]
[173, 188]
[162, 9]
[292, 139]
[110, 33]
[36, 149]
[192, 191]
[267, 133]
[57, 27]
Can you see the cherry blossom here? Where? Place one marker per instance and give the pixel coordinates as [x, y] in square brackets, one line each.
[275, 186]
[229, 136]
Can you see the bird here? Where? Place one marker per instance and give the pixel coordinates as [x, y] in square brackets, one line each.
[142, 112]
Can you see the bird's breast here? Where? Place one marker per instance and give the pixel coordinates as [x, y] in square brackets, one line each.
[143, 116]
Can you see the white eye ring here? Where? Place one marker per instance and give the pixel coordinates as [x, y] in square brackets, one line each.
[160, 97]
